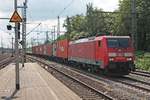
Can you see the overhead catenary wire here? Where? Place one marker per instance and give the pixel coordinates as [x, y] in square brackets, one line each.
[60, 13]
[82, 3]
[33, 29]
[67, 6]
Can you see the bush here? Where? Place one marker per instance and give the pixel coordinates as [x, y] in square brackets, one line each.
[143, 60]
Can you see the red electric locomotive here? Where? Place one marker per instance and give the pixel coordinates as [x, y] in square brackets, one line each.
[114, 54]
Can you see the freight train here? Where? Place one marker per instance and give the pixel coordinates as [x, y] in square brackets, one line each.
[109, 54]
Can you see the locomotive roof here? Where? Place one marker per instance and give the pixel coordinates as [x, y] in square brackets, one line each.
[95, 38]
[100, 37]
[116, 36]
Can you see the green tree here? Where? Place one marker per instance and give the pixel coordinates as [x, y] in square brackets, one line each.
[93, 23]
[74, 25]
[123, 21]
[95, 20]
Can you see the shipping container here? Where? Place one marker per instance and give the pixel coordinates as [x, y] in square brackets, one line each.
[62, 49]
[49, 49]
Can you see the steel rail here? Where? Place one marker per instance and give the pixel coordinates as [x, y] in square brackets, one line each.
[145, 74]
[75, 79]
[132, 85]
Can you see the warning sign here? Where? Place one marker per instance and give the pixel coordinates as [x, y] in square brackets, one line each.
[16, 17]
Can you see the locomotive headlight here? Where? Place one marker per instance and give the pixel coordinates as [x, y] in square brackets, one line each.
[111, 59]
[129, 59]
[128, 54]
[112, 54]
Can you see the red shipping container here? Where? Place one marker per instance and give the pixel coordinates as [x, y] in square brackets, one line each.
[49, 49]
[62, 49]
[41, 49]
[38, 49]
[34, 50]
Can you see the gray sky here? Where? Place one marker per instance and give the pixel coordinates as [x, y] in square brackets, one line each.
[46, 11]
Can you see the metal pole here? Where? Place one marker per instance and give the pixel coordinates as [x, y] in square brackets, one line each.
[52, 35]
[2, 45]
[47, 37]
[25, 28]
[54, 32]
[4, 18]
[58, 27]
[12, 46]
[16, 51]
[134, 23]
[23, 37]
[24, 33]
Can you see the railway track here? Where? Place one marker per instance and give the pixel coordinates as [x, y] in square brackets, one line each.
[102, 86]
[4, 56]
[5, 60]
[131, 82]
[134, 83]
[95, 94]
[141, 73]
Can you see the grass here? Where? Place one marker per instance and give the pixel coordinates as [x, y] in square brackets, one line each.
[142, 60]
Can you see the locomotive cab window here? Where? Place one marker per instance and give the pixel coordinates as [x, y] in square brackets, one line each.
[118, 42]
[99, 44]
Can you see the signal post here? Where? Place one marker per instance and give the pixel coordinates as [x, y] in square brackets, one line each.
[16, 19]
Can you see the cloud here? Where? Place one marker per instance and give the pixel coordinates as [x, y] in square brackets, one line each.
[50, 9]
[2, 14]
[46, 11]
[107, 5]
[44, 26]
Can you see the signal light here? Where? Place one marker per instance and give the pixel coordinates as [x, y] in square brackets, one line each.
[111, 59]
[9, 27]
[129, 59]
[18, 34]
[18, 26]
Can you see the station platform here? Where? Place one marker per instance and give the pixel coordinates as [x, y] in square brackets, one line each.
[35, 84]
